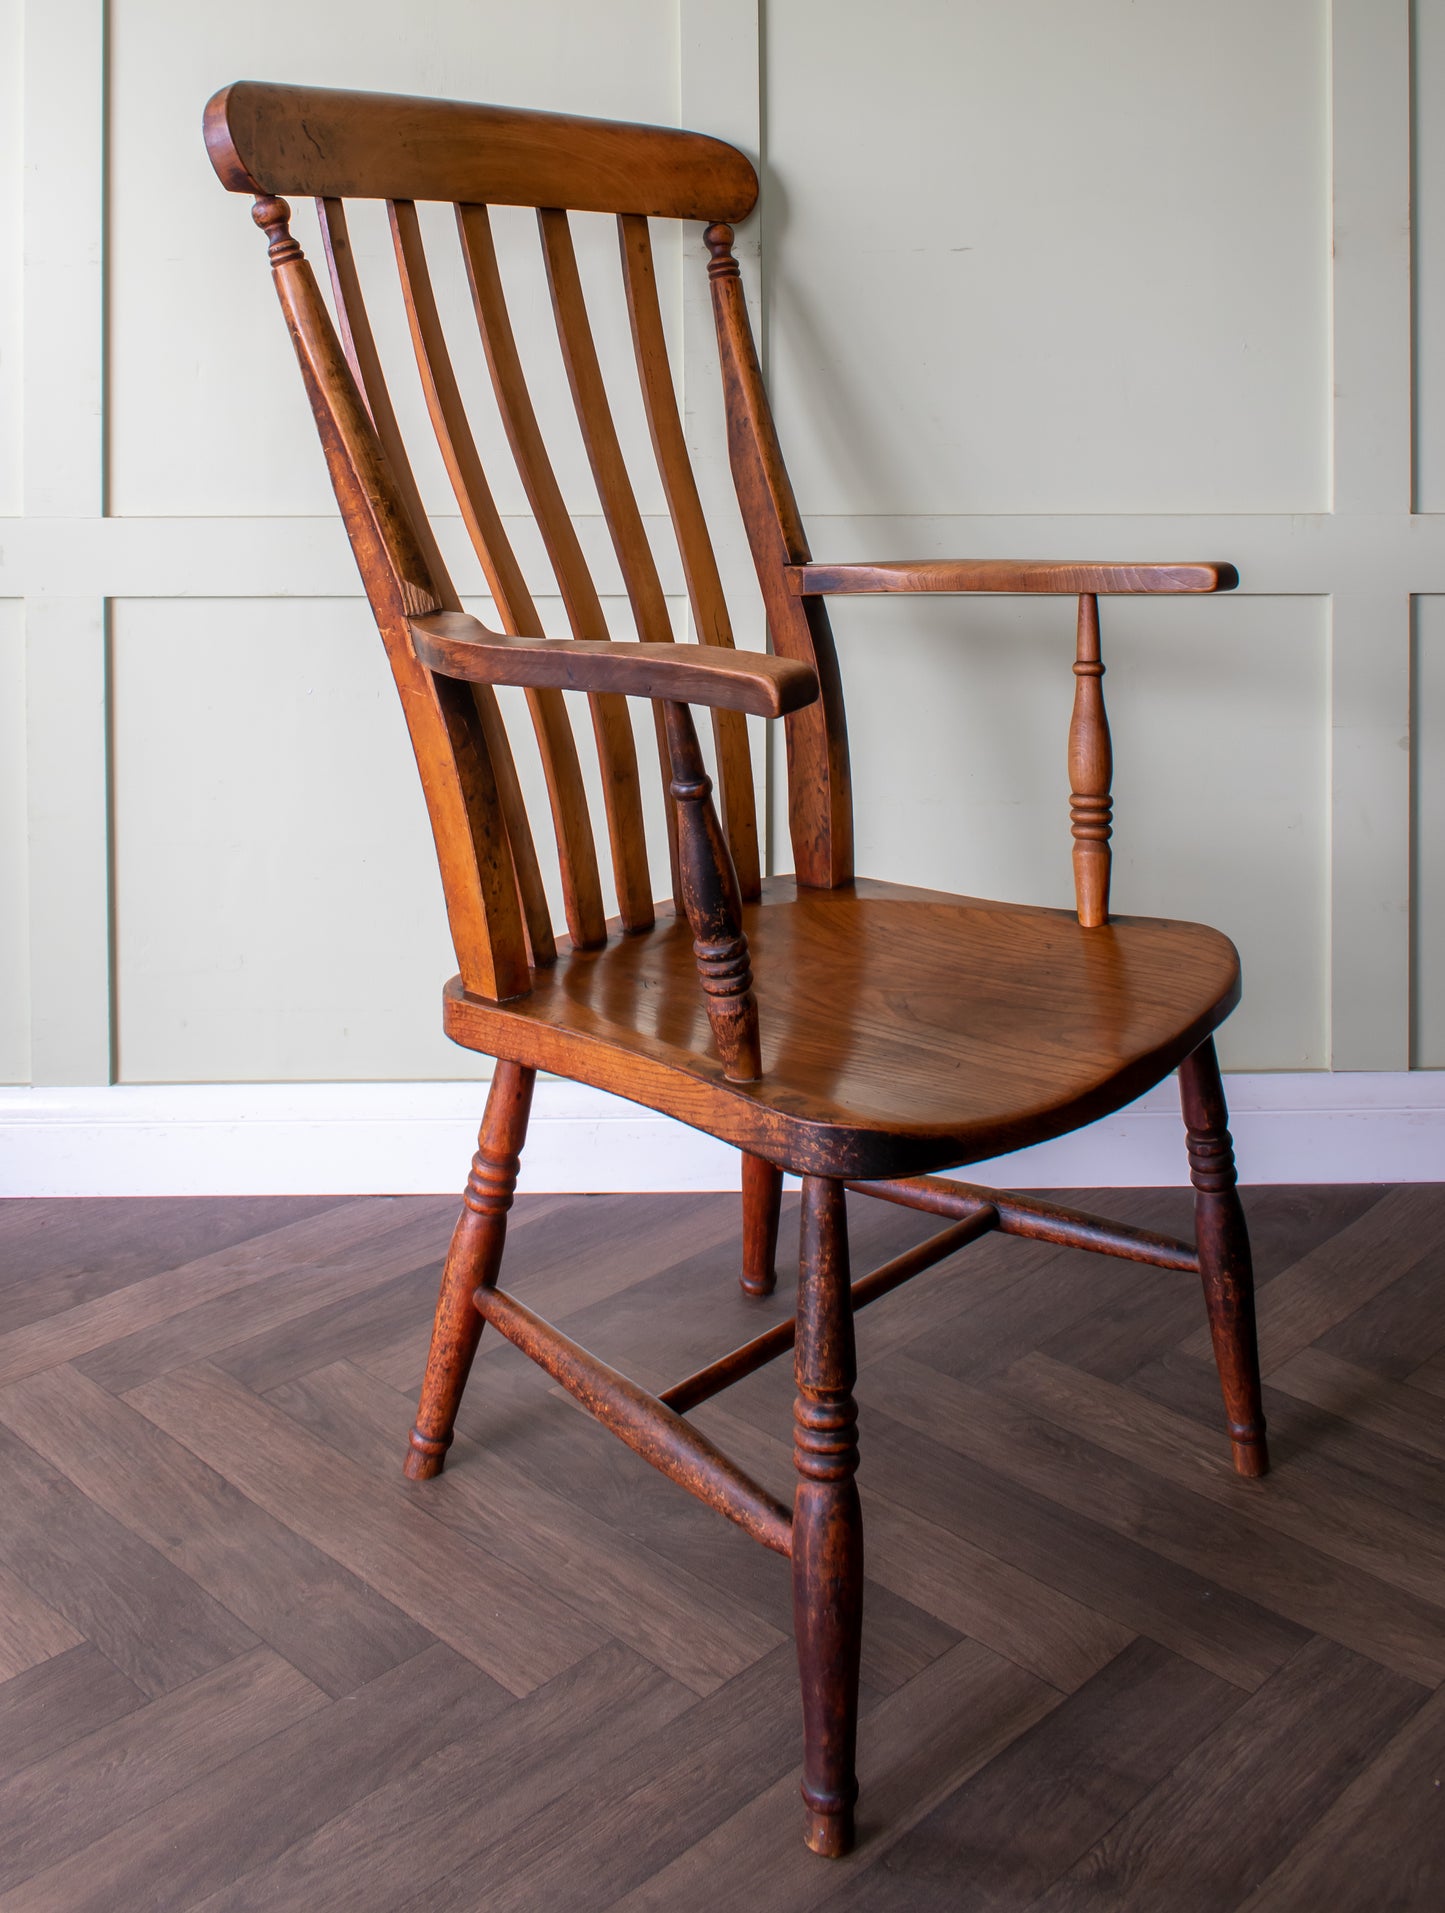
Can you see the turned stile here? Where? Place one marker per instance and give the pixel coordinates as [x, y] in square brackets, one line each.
[712, 904]
[820, 805]
[1091, 770]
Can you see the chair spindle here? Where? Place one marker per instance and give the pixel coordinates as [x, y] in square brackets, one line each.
[1091, 770]
[709, 895]
[461, 772]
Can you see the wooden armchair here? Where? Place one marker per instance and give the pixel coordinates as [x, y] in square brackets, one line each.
[853, 1032]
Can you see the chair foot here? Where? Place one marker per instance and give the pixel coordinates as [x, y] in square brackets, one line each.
[762, 1200]
[473, 1261]
[827, 1521]
[1225, 1266]
[828, 1832]
[424, 1457]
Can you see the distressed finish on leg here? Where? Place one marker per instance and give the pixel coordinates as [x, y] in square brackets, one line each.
[1225, 1265]
[827, 1521]
[473, 1262]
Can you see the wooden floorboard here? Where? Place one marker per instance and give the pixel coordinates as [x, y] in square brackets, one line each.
[244, 1664]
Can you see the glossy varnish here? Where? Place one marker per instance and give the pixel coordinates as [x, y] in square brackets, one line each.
[847, 1031]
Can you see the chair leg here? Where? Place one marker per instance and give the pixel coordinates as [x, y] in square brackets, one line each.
[1224, 1258]
[827, 1521]
[762, 1200]
[473, 1260]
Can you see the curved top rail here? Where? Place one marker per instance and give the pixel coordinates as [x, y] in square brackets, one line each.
[329, 144]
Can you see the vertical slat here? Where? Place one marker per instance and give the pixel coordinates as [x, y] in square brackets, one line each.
[699, 563]
[609, 470]
[820, 804]
[615, 748]
[599, 433]
[1091, 770]
[365, 364]
[452, 749]
[581, 885]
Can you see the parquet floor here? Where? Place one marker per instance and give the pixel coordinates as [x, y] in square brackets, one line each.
[245, 1665]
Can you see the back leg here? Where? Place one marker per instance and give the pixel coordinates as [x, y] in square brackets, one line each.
[473, 1261]
[762, 1200]
[1225, 1265]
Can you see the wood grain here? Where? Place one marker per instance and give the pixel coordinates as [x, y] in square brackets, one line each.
[1179, 1687]
[1005, 574]
[323, 142]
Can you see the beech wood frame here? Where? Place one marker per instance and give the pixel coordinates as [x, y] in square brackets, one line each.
[265, 140]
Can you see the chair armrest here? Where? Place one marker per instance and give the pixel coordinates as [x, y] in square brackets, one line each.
[457, 646]
[1005, 574]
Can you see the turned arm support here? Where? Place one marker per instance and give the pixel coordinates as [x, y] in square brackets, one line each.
[457, 646]
[1091, 756]
[1066, 577]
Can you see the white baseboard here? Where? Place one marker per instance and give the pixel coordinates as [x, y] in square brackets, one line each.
[417, 1138]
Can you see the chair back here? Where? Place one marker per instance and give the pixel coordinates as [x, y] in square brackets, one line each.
[334, 146]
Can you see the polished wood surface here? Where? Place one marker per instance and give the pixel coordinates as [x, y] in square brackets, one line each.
[712, 904]
[844, 1030]
[243, 1664]
[950, 1028]
[1004, 574]
[327, 143]
[458, 646]
[694, 542]
[827, 1520]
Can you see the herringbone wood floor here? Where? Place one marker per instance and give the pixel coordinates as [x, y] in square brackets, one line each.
[245, 1665]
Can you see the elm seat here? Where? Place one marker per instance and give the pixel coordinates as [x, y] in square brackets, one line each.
[948, 1028]
[847, 1031]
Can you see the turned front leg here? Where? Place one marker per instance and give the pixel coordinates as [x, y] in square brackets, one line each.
[1225, 1264]
[827, 1521]
[473, 1262]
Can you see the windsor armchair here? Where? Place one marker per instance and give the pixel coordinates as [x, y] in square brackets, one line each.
[890, 1032]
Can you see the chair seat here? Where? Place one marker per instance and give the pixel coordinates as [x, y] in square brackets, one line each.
[902, 1030]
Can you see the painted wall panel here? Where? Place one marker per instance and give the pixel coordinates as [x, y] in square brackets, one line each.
[204, 416]
[14, 862]
[1427, 211]
[12, 103]
[1428, 874]
[1046, 258]
[1038, 279]
[279, 916]
[278, 912]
